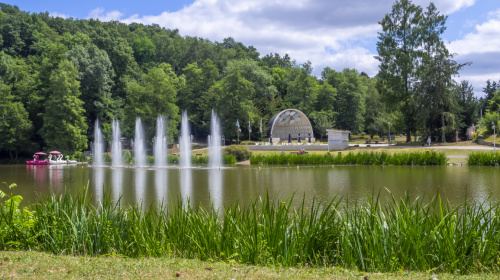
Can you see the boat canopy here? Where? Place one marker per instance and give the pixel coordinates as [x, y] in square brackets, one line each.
[40, 153]
[54, 152]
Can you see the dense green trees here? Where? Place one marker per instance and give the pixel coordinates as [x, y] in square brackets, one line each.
[57, 76]
[64, 126]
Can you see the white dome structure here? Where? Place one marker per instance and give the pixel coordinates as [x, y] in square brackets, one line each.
[289, 122]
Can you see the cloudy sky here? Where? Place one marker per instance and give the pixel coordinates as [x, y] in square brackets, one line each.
[331, 33]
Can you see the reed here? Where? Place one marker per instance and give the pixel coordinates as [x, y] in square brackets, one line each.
[394, 235]
[484, 159]
[364, 158]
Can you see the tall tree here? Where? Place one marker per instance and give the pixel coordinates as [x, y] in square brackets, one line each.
[398, 52]
[153, 95]
[349, 102]
[95, 74]
[64, 126]
[232, 96]
[436, 87]
[469, 105]
[15, 126]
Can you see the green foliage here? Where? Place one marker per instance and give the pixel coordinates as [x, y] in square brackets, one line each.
[375, 235]
[15, 126]
[15, 224]
[64, 126]
[365, 158]
[153, 95]
[240, 152]
[484, 159]
[127, 156]
[233, 100]
[79, 156]
[490, 119]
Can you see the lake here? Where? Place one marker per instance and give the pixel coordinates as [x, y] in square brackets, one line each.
[246, 183]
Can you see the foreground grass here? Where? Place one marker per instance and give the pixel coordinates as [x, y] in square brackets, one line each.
[30, 265]
[391, 236]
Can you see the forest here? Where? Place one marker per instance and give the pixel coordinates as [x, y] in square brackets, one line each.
[57, 76]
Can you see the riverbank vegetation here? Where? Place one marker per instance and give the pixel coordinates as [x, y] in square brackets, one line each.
[484, 159]
[375, 236]
[363, 158]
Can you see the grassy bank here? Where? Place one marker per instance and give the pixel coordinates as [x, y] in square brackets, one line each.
[30, 265]
[365, 158]
[399, 235]
[484, 159]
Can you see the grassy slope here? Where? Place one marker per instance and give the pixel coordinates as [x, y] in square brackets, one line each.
[30, 265]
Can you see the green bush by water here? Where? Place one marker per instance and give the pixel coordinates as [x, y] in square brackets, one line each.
[484, 158]
[240, 152]
[365, 158]
[397, 235]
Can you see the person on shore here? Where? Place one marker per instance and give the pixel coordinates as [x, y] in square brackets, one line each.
[429, 141]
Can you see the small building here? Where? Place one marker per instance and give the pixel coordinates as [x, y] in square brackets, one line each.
[337, 139]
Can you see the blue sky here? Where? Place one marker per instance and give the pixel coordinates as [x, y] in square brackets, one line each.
[336, 34]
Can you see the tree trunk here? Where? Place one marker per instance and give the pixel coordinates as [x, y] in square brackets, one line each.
[443, 136]
[408, 136]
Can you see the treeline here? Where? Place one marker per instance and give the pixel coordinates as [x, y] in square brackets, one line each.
[57, 76]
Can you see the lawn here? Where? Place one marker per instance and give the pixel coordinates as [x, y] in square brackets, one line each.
[31, 265]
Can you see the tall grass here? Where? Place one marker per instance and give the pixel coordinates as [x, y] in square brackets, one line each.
[484, 158]
[365, 158]
[374, 236]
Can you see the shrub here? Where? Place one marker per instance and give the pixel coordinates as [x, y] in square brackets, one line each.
[484, 158]
[79, 156]
[127, 156]
[367, 137]
[490, 118]
[241, 153]
[107, 157]
[376, 138]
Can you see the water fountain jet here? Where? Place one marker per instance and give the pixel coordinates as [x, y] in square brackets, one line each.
[185, 143]
[139, 145]
[98, 145]
[160, 143]
[116, 145]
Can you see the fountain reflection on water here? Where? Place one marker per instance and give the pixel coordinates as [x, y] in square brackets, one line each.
[116, 145]
[160, 143]
[99, 183]
[139, 145]
[117, 175]
[98, 146]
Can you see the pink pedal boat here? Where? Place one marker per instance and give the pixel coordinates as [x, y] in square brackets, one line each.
[36, 159]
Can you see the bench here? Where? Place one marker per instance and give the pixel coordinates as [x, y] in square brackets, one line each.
[198, 155]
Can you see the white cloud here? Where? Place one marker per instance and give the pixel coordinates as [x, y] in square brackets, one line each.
[98, 13]
[485, 38]
[56, 14]
[328, 33]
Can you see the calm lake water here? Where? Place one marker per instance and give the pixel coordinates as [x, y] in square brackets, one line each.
[246, 183]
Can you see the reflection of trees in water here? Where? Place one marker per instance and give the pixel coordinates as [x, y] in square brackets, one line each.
[56, 173]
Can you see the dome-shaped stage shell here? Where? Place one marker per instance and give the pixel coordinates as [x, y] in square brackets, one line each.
[290, 122]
